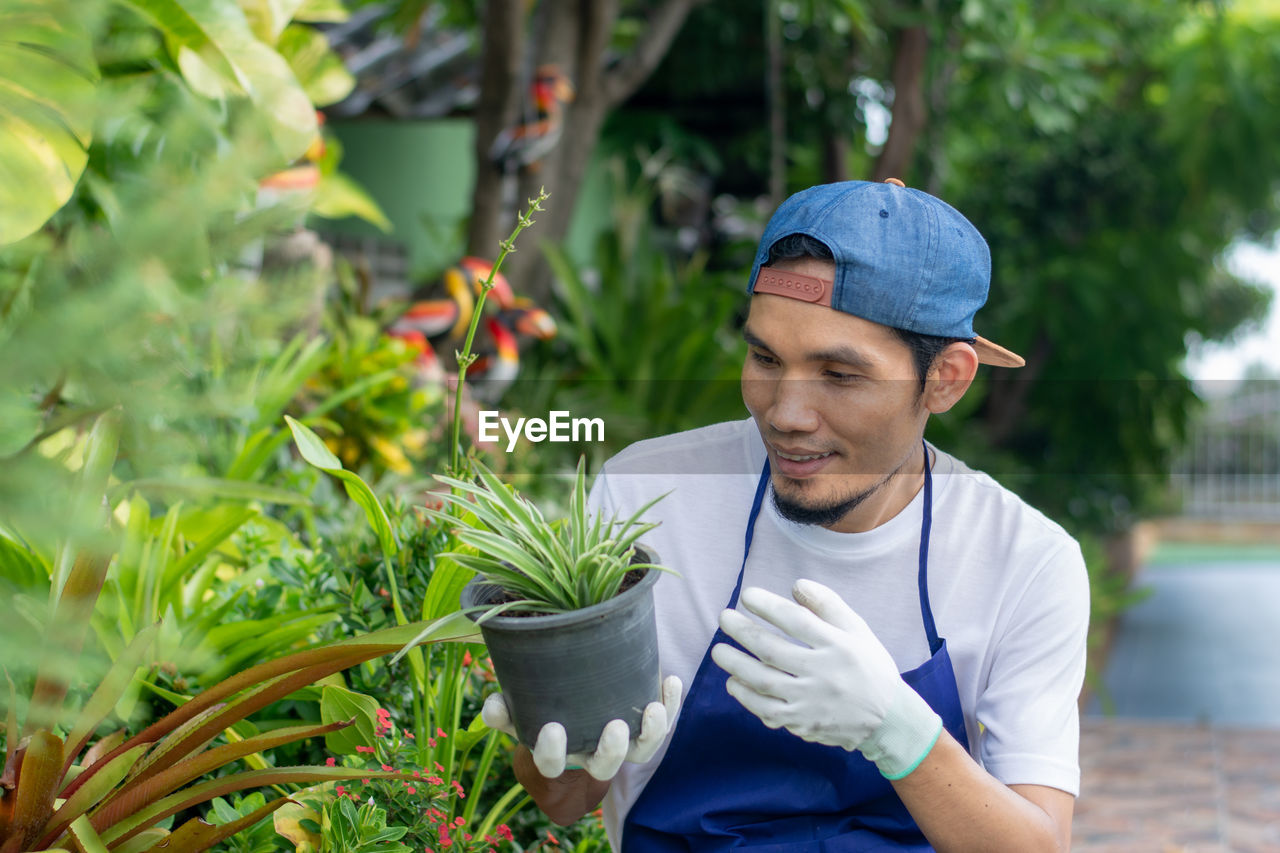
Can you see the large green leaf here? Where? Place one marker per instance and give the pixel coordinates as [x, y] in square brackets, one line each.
[47, 81]
[319, 70]
[219, 55]
[268, 18]
[338, 703]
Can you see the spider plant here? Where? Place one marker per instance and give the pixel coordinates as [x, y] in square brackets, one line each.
[546, 566]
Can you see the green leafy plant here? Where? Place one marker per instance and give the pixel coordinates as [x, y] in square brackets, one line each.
[360, 829]
[441, 681]
[63, 784]
[261, 837]
[123, 787]
[552, 567]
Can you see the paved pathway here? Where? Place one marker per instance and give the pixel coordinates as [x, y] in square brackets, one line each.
[1191, 762]
[1177, 788]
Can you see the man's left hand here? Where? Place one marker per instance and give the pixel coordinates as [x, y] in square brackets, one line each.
[839, 686]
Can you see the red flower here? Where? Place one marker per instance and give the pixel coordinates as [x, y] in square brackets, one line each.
[330, 762]
[504, 832]
[552, 838]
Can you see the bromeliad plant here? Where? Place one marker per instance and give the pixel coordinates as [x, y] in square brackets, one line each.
[64, 785]
[548, 567]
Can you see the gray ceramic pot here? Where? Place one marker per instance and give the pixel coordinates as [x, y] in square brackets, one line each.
[582, 668]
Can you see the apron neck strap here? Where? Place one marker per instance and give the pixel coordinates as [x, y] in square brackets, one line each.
[761, 486]
[926, 523]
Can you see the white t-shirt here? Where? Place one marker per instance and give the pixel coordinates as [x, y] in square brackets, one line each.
[1007, 586]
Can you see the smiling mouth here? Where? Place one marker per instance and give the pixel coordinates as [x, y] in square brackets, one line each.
[795, 458]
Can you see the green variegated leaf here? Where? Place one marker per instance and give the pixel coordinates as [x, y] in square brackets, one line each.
[216, 49]
[319, 70]
[47, 82]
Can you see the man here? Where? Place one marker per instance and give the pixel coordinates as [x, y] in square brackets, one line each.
[883, 647]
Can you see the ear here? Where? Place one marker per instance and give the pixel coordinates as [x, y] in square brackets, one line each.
[951, 375]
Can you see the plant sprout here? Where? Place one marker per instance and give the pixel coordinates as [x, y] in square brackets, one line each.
[550, 567]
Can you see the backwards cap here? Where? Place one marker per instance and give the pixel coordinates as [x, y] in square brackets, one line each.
[903, 258]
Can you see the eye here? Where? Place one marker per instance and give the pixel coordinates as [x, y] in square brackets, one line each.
[841, 378]
[761, 358]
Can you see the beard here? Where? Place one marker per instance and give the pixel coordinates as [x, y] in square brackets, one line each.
[823, 515]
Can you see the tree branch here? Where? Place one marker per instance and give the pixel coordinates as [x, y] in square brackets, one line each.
[909, 111]
[628, 75]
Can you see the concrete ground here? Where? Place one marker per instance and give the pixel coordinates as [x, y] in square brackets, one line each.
[1190, 760]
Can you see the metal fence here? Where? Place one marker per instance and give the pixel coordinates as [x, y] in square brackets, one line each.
[1231, 468]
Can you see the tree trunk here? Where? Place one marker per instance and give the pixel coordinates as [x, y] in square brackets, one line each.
[777, 105]
[1005, 405]
[575, 36]
[835, 156]
[909, 112]
[502, 49]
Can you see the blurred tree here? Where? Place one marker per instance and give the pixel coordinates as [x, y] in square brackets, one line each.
[604, 50]
[1109, 151]
[1108, 202]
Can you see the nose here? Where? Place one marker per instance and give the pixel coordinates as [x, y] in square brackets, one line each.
[792, 407]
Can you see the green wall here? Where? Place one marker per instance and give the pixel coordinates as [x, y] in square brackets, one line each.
[422, 174]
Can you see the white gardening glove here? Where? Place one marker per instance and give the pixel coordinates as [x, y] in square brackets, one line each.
[839, 688]
[614, 746]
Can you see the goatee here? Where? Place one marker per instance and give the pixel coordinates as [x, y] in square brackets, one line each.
[823, 516]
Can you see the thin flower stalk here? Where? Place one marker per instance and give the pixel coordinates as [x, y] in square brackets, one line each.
[466, 357]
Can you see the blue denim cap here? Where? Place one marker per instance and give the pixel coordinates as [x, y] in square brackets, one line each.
[903, 258]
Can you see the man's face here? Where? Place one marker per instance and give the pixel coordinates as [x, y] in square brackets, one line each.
[837, 402]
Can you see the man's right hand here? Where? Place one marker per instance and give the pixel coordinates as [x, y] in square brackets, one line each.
[614, 747]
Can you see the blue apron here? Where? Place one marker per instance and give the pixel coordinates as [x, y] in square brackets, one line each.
[729, 782]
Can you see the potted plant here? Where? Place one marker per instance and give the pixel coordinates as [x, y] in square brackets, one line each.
[565, 607]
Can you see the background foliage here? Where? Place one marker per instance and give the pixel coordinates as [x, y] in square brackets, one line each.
[161, 164]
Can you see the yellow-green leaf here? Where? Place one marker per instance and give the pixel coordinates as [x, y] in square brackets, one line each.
[47, 82]
[215, 44]
[319, 70]
[337, 196]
